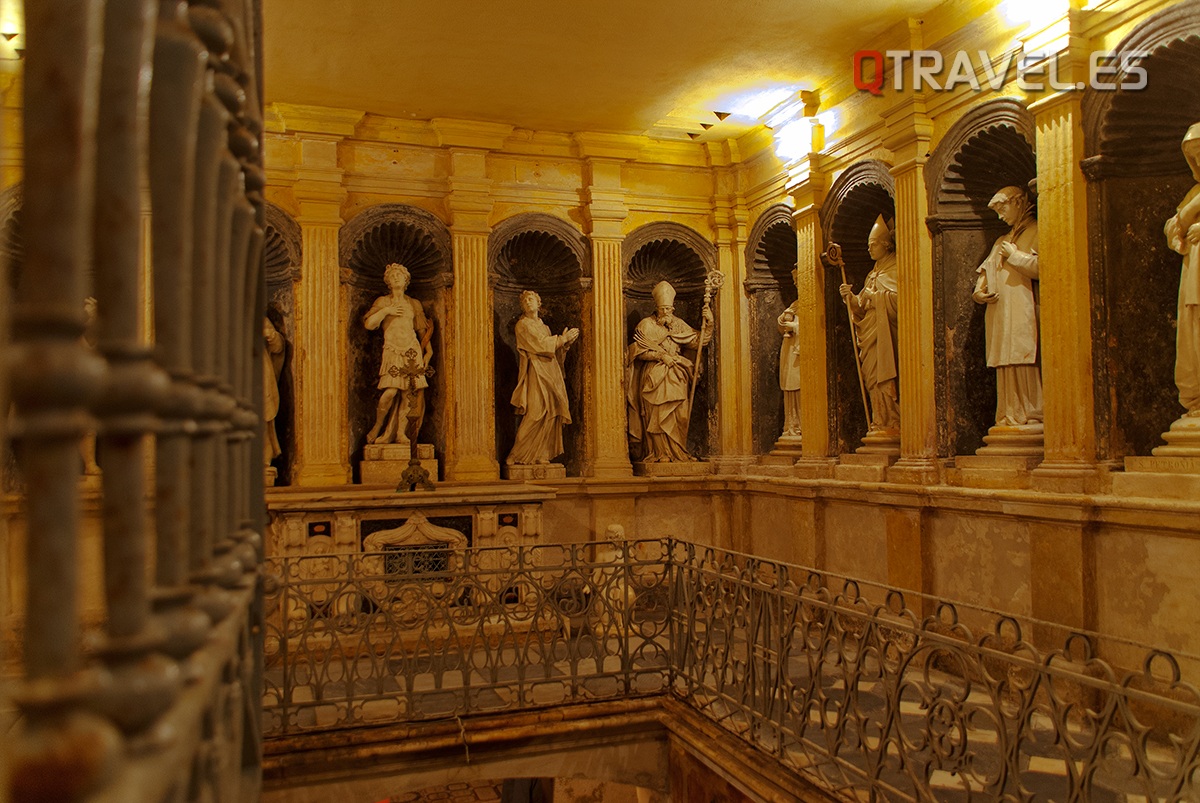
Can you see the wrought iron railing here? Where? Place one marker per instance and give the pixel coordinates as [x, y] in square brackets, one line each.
[874, 693]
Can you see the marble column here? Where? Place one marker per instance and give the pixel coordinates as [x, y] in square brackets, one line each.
[471, 451]
[908, 134]
[608, 442]
[808, 195]
[1068, 389]
[321, 426]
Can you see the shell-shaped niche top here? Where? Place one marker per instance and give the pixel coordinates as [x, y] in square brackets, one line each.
[388, 233]
[538, 260]
[776, 251]
[417, 531]
[995, 158]
[668, 260]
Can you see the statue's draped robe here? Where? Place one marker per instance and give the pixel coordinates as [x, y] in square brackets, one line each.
[1187, 333]
[789, 368]
[657, 393]
[272, 365]
[876, 327]
[1011, 325]
[541, 394]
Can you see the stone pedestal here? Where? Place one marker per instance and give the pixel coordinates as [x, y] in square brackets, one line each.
[693, 468]
[880, 442]
[1183, 439]
[1019, 441]
[540, 471]
[814, 468]
[865, 466]
[779, 461]
[986, 469]
[1160, 476]
[383, 463]
[270, 475]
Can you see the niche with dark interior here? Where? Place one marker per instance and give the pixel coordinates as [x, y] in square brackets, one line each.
[367, 244]
[990, 148]
[679, 255]
[548, 256]
[282, 258]
[1137, 175]
[770, 258]
[859, 197]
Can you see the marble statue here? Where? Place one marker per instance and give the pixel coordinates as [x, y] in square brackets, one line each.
[874, 311]
[1005, 286]
[1183, 236]
[540, 397]
[404, 366]
[789, 367]
[659, 379]
[272, 365]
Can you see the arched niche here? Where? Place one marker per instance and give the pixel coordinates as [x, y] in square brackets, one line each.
[862, 193]
[770, 260]
[680, 255]
[1136, 177]
[548, 255]
[990, 147]
[366, 245]
[282, 258]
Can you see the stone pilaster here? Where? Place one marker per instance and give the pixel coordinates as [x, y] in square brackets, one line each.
[908, 133]
[808, 195]
[322, 429]
[605, 211]
[733, 343]
[1066, 298]
[471, 451]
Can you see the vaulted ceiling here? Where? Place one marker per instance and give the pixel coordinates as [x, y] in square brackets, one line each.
[561, 65]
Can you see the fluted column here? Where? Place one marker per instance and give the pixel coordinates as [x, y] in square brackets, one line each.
[809, 194]
[733, 339]
[471, 452]
[908, 133]
[608, 439]
[322, 429]
[1066, 297]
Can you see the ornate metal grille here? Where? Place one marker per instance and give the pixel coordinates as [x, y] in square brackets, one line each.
[874, 693]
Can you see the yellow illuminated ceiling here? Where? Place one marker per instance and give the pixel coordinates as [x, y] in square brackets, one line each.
[630, 66]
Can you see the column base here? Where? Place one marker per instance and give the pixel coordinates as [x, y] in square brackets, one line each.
[915, 471]
[814, 468]
[384, 463]
[692, 468]
[471, 469]
[864, 466]
[1071, 477]
[612, 468]
[538, 471]
[321, 475]
[732, 464]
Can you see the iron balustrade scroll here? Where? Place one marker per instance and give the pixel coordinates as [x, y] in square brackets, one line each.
[872, 692]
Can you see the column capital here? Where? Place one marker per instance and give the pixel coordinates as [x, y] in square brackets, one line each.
[810, 186]
[908, 132]
[470, 197]
[604, 206]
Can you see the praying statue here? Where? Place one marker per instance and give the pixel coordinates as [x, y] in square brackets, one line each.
[1183, 236]
[789, 367]
[272, 365]
[407, 352]
[1005, 286]
[541, 394]
[874, 311]
[660, 380]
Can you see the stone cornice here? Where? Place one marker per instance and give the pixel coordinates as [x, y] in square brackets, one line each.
[592, 145]
[454, 133]
[313, 119]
